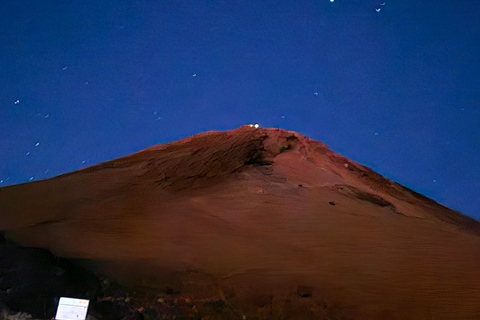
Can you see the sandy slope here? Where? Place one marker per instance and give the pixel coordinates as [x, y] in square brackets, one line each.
[273, 223]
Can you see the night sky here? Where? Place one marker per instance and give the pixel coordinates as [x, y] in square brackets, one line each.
[393, 85]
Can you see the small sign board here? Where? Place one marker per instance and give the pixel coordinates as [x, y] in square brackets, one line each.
[71, 309]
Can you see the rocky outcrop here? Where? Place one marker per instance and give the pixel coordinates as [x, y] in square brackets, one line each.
[265, 223]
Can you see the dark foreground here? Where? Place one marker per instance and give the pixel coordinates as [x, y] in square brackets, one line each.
[32, 281]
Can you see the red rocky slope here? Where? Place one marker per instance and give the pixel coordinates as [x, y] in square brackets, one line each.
[270, 222]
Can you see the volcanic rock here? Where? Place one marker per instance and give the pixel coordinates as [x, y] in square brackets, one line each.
[264, 222]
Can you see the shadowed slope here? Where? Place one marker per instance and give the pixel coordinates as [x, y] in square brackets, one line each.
[271, 222]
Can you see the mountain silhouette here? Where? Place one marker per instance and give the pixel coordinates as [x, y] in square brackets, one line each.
[269, 222]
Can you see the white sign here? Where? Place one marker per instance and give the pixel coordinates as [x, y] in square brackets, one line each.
[71, 309]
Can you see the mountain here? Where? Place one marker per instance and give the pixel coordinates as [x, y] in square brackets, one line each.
[267, 222]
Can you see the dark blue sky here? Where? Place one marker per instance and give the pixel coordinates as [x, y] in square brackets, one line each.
[398, 90]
